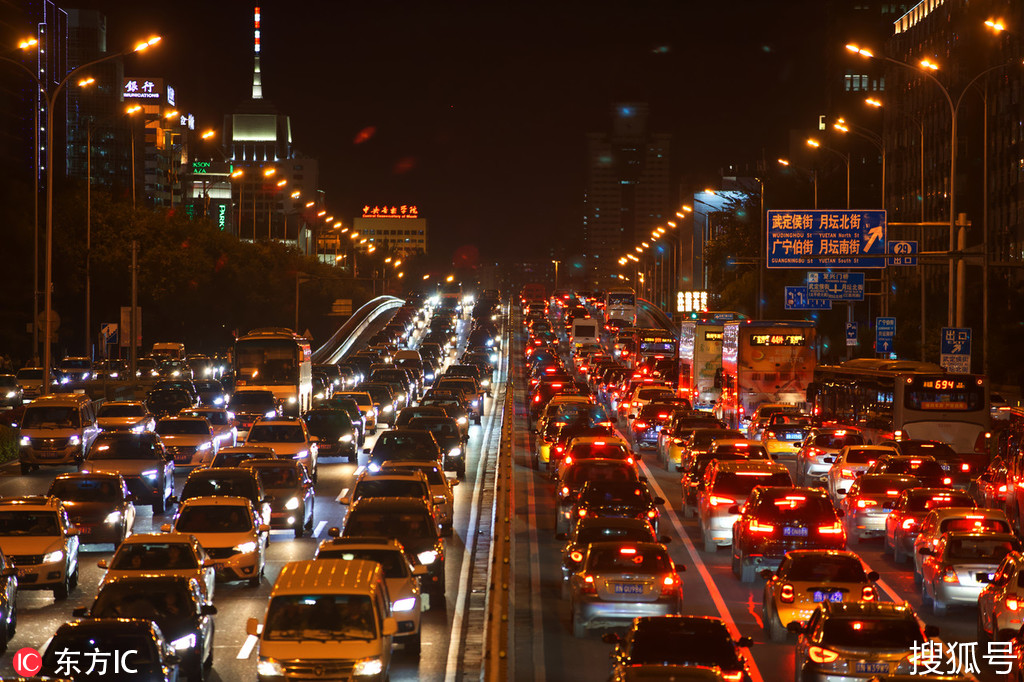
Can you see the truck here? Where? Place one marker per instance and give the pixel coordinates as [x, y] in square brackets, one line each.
[765, 361]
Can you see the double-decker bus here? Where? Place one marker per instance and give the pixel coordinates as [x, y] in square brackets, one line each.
[905, 399]
[620, 304]
[765, 361]
[278, 360]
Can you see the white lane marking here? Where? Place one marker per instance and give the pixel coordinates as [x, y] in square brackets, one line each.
[452, 664]
[537, 614]
[319, 529]
[716, 596]
[343, 493]
[248, 645]
[889, 591]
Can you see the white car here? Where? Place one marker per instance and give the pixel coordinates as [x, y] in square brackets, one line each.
[230, 532]
[440, 488]
[851, 462]
[289, 438]
[225, 432]
[188, 439]
[163, 553]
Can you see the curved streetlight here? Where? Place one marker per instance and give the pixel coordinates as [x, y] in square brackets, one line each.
[845, 157]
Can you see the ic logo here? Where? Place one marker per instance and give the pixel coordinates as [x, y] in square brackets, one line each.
[27, 662]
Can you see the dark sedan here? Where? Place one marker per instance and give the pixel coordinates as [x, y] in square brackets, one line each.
[99, 505]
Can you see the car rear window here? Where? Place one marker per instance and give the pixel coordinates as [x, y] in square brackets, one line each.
[795, 506]
[939, 451]
[584, 471]
[974, 523]
[982, 549]
[654, 394]
[922, 468]
[872, 633]
[628, 560]
[858, 456]
[837, 440]
[742, 482]
[826, 568]
[599, 449]
[920, 503]
[872, 485]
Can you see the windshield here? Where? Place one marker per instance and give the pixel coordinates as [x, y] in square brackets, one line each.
[29, 374]
[121, 411]
[276, 433]
[872, 633]
[320, 618]
[919, 503]
[240, 485]
[683, 643]
[401, 525]
[393, 562]
[163, 600]
[86, 490]
[218, 417]
[980, 548]
[824, 568]
[52, 416]
[182, 427]
[628, 560]
[28, 523]
[742, 482]
[213, 518]
[327, 421]
[76, 363]
[267, 361]
[142, 556]
[279, 476]
[385, 488]
[170, 398]
[124, 448]
[253, 400]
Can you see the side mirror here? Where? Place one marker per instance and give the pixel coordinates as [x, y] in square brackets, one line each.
[679, 468]
[643, 479]
[102, 563]
[982, 578]
[734, 509]
[931, 630]
[664, 539]
[252, 627]
[390, 627]
[745, 642]
[80, 612]
[680, 567]
[263, 528]
[840, 491]
[632, 416]
[130, 498]
[9, 572]
[419, 569]
[314, 439]
[659, 501]
[795, 627]
[208, 610]
[439, 499]
[173, 499]
[873, 576]
[561, 536]
[334, 532]
[366, 451]
[455, 481]
[73, 530]
[611, 638]
[165, 528]
[829, 460]
[344, 499]
[209, 563]
[926, 551]
[767, 574]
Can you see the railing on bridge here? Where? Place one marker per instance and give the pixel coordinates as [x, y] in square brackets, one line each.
[342, 340]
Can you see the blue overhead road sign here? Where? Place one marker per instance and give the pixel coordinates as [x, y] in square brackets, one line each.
[836, 286]
[797, 299]
[885, 332]
[902, 253]
[815, 239]
[955, 349]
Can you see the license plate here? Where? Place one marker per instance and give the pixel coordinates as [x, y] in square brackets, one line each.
[987, 577]
[794, 532]
[820, 596]
[24, 571]
[628, 588]
[945, 467]
[872, 667]
[183, 458]
[84, 530]
[887, 507]
[792, 436]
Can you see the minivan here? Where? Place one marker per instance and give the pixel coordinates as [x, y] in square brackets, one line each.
[57, 429]
[327, 618]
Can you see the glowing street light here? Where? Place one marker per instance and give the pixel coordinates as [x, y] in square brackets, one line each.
[426, 277]
[86, 82]
[996, 25]
[296, 194]
[450, 278]
[27, 43]
[321, 214]
[929, 64]
[147, 44]
[171, 114]
[282, 183]
[267, 172]
[872, 102]
[238, 173]
[207, 134]
[310, 204]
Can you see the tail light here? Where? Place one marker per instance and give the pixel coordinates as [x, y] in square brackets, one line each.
[670, 585]
[787, 594]
[867, 593]
[909, 523]
[1002, 488]
[947, 481]
[812, 452]
[864, 504]
[734, 676]
[756, 527]
[565, 490]
[965, 467]
[716, 500]
[831, 529]
[559, 448]
[582, 513]
[568, 459]
[576, 556]
[639, 425]
[821, 655]
[981, 443]
[950, 576]
[770, 434]
[1012, 603]
[846, 473]
[536, 398]
[652, 514]
[588, 586]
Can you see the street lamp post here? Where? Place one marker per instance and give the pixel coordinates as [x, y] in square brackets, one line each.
[845, 157]
[556, 262]
[813, 173]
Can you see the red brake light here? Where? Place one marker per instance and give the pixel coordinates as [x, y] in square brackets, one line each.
[627, 550]
[787, 594]
[863, 504]
[716, 500]
[653, 513]
[831, 529]
[576, 556]
[756, 527]
[670, 585]
[588, 587]
[867, 593]
[582, 513]
[950, 576]
[565, 490]
[568, 459]
[822, 655]
[1012, 603]
[947, 481]
[909, 523]
[965, 467]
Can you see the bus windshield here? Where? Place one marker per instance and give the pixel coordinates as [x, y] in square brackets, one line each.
[271, 361]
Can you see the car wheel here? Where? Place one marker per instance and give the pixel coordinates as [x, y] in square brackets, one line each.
[939, 608]
[925, 599]
[736, 562]
[312, 510]
[61, 592]
[413, 645]
[918, 578]
[197, 673]
[460, 473]
[747, 573]
[983, 636]
[689, 511]
[897, 553]
[5, 637]
[25, 468]
[710, 546]
[160, 506]
[255, 580]
[776, 632]
[478, 420]
[299, 530]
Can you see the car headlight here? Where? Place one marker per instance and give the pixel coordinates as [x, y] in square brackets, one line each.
[430, 376]
[373, 467]
[461, 420]
[292, 504]
[218, 401]
[246, 547]
[271, 414]
[151, 474]
[475, 403]
[368, 666]
[175, 373]
[11, 394]
[75, 440]
[203, 446]
[402, 605]
[53, 557]
[139, 428]
[186, 642]
[485, 382]
[388, 408]
[347, 438]
[268, 667]
[428, 557]
[301, 454]
[25, 441]
[455, 452]
[292, 400]
[112, 518]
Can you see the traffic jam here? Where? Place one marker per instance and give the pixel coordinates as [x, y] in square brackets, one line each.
[297, 513]
[847, 522]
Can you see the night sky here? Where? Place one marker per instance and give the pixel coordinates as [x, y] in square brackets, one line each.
[477, 111]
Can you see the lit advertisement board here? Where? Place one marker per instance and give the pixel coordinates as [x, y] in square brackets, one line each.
[146, 90]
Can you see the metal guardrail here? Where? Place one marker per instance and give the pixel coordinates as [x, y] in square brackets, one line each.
[497, 637]
[341, 341]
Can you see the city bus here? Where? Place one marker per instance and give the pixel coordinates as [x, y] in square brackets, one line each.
[620, 304]
[764, 361]
[905, 399]
[656, 354]
[278, 360]
[700, 357]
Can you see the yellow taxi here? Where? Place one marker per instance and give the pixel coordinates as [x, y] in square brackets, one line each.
[808, 577]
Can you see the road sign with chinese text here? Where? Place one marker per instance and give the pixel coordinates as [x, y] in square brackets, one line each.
[851, 333]
[798, 299]
[813, 239]
[902, 253]
[836, 286]
[885, 332]
[955, 350]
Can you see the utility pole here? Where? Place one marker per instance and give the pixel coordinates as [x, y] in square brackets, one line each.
[133, 352]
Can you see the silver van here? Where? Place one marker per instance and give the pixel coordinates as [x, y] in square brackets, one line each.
[57, 429]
